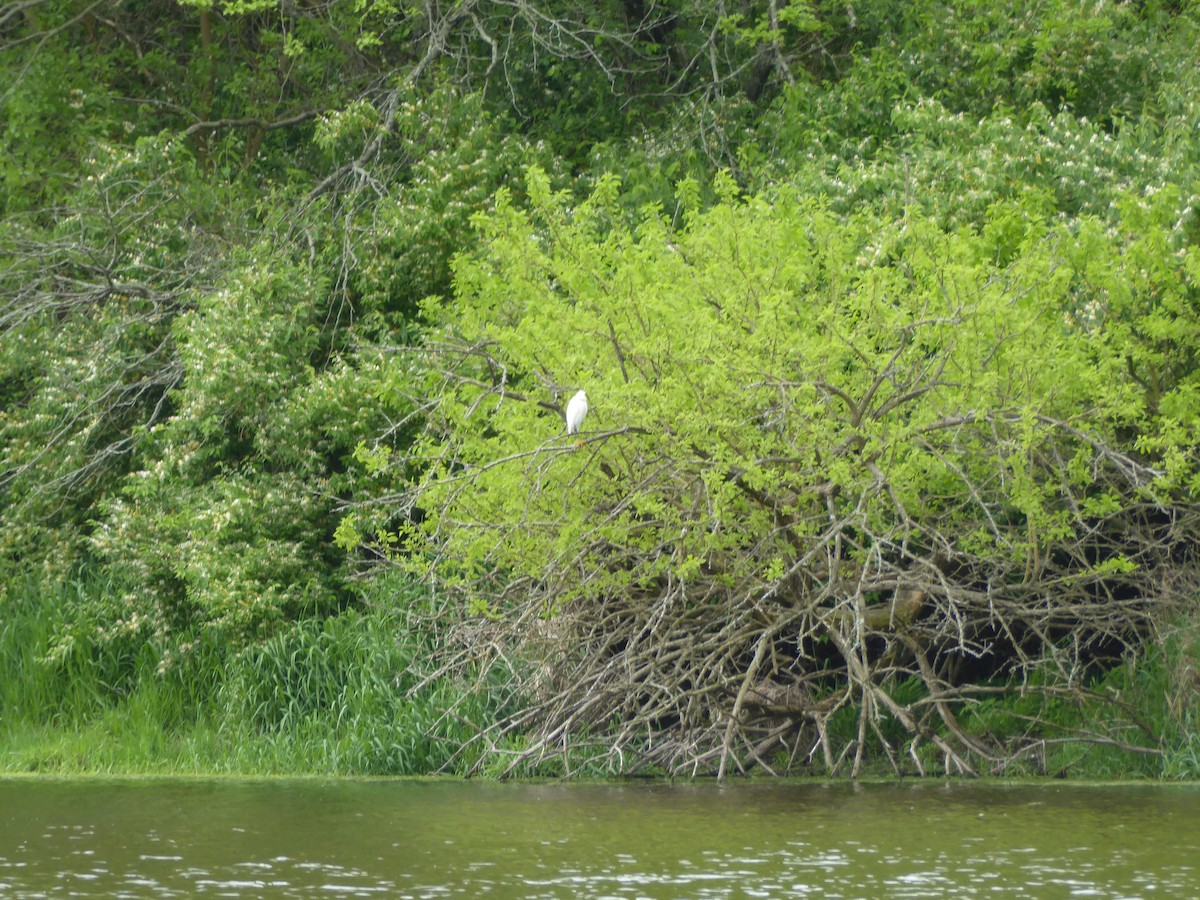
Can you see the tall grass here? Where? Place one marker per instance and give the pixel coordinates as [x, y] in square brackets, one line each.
[56, 667]
[82, 692]
[341, 689]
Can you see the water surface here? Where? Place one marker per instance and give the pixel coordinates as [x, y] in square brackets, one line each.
[156, 838]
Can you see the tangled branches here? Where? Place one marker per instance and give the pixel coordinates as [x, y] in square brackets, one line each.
[713, 664]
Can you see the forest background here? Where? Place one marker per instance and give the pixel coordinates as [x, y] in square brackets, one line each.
[887, 313]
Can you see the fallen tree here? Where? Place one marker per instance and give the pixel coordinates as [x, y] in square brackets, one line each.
[841, 483]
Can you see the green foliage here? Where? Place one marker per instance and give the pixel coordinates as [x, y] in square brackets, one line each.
[914, 125]
[54, 109]
[759, 340]
[1098, 60]
[457, 157]
[1150, 314]
[87, 350]
[228, 524]
[965, 171]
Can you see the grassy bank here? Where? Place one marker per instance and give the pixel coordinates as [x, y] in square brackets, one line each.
[335, 696]
[320, 696]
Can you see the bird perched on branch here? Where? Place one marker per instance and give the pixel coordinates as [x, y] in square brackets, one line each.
[576, 410]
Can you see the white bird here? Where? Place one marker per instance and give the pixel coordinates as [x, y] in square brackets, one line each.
[576, 410]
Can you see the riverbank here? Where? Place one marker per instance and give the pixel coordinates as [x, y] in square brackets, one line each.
[337, 697]
[328, 697]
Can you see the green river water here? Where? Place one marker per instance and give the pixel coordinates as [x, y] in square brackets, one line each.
[302, 838]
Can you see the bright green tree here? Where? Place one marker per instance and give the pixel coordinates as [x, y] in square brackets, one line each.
[822, 456]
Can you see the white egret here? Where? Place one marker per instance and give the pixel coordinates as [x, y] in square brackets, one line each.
[576, 410]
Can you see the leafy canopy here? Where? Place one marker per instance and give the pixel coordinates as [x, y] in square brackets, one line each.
[768, 361]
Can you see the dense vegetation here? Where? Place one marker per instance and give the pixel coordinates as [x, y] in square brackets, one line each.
[888, 315]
